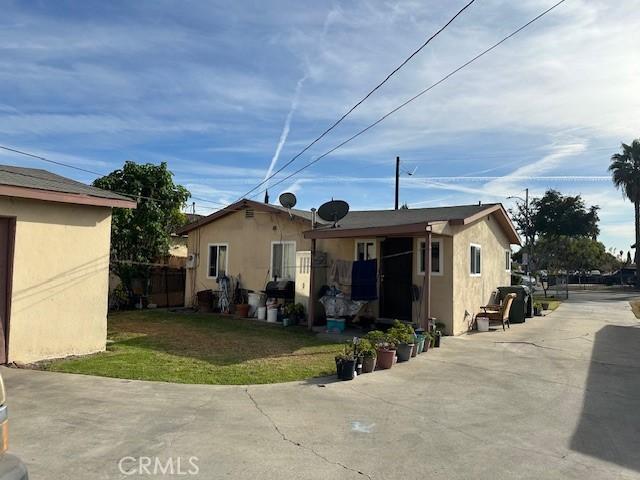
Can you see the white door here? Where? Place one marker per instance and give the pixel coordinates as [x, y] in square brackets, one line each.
[303, 278]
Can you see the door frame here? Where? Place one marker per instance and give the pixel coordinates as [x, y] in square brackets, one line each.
[9, 285]
[383, 254]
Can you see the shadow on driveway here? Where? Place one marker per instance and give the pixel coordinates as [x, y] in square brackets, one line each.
[609, 426]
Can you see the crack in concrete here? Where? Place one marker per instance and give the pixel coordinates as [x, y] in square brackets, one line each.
[534, 345]
[298, 444]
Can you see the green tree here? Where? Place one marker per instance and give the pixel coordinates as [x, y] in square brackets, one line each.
[557, 214]
[625, 173]
[561, 252]
[143, 234]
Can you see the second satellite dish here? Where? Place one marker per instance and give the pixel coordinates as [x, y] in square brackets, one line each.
[287, 200]
[333, 211]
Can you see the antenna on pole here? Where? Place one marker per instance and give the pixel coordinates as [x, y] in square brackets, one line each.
[397, 182]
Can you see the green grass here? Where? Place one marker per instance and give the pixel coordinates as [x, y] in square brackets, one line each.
[200, 348]
[553, 302]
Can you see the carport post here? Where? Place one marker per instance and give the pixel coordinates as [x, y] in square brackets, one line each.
[426, 288]
[311, 307]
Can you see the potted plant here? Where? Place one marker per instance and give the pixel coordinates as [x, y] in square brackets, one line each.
[437, 336]
[346, 364]
[293, 313]
[385, 348]
[537, 309]
[403, 334]
[438, 333]
[545, 305]
[367, 351]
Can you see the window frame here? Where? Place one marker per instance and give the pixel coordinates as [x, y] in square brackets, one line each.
[507, 260]
[419, 264]
[479, 248]
[365, 241]
[283, 242]
[226, 260]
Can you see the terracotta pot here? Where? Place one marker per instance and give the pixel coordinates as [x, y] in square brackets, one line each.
[368, 364]
[385, 358]
[242, 310]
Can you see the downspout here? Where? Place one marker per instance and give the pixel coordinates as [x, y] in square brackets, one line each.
[426, 287]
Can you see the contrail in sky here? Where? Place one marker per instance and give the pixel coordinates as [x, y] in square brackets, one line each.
[286, 126]
[296, 97]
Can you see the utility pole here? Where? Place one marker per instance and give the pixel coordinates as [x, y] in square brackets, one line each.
[527, 236]
[527, 233]
[193, 208]
[397, 181]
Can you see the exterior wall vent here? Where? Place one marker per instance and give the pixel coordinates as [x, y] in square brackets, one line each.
[248, 213]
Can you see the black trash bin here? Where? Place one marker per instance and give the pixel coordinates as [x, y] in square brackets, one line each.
[522, 306]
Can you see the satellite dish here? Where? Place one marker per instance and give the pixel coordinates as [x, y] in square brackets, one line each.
[287, 200]
[333, 211]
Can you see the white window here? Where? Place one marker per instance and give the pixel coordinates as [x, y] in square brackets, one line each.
[476, 259]
[507, 260]
[437, 257]
[365, 249]
[283, 260]
[218, 259]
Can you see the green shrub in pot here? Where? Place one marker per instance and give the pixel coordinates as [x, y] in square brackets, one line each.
[346, 363]
[384, 346]
[404, 337]
[367, 351]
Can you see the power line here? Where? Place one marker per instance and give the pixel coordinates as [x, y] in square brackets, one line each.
[55, 162]
[50, 161]
[337, 122]
[415, 97]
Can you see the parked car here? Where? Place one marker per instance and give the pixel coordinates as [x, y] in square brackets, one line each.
[595, 273]
[11, 467]
[624, 276]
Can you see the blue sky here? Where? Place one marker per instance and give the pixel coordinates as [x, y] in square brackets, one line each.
[208, 87]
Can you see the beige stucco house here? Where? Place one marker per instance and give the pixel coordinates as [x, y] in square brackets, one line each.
[469, 255]
[54, 265]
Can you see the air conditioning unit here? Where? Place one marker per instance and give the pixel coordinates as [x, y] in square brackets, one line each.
[191, 260]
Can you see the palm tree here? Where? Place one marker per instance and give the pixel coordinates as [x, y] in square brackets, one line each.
[625, 173]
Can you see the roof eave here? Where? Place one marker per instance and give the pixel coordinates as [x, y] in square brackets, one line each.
[64, 197]
[234, 207]
[507, 224]
[410, 228]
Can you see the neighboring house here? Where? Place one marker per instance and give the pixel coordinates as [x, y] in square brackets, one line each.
[54, 265]
[470, 254]
[178, 250]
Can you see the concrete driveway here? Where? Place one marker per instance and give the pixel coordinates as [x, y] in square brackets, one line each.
[557, 397]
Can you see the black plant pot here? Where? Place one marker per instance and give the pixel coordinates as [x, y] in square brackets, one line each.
[436, 342]
[345, 369]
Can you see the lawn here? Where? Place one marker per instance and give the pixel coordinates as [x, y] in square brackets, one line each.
[635, 307]
[553, 302]
[200, 348]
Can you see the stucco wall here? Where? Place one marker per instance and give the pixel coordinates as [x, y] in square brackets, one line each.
[60, 279]
[470, 292]
[249, 241]
[441, 284]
